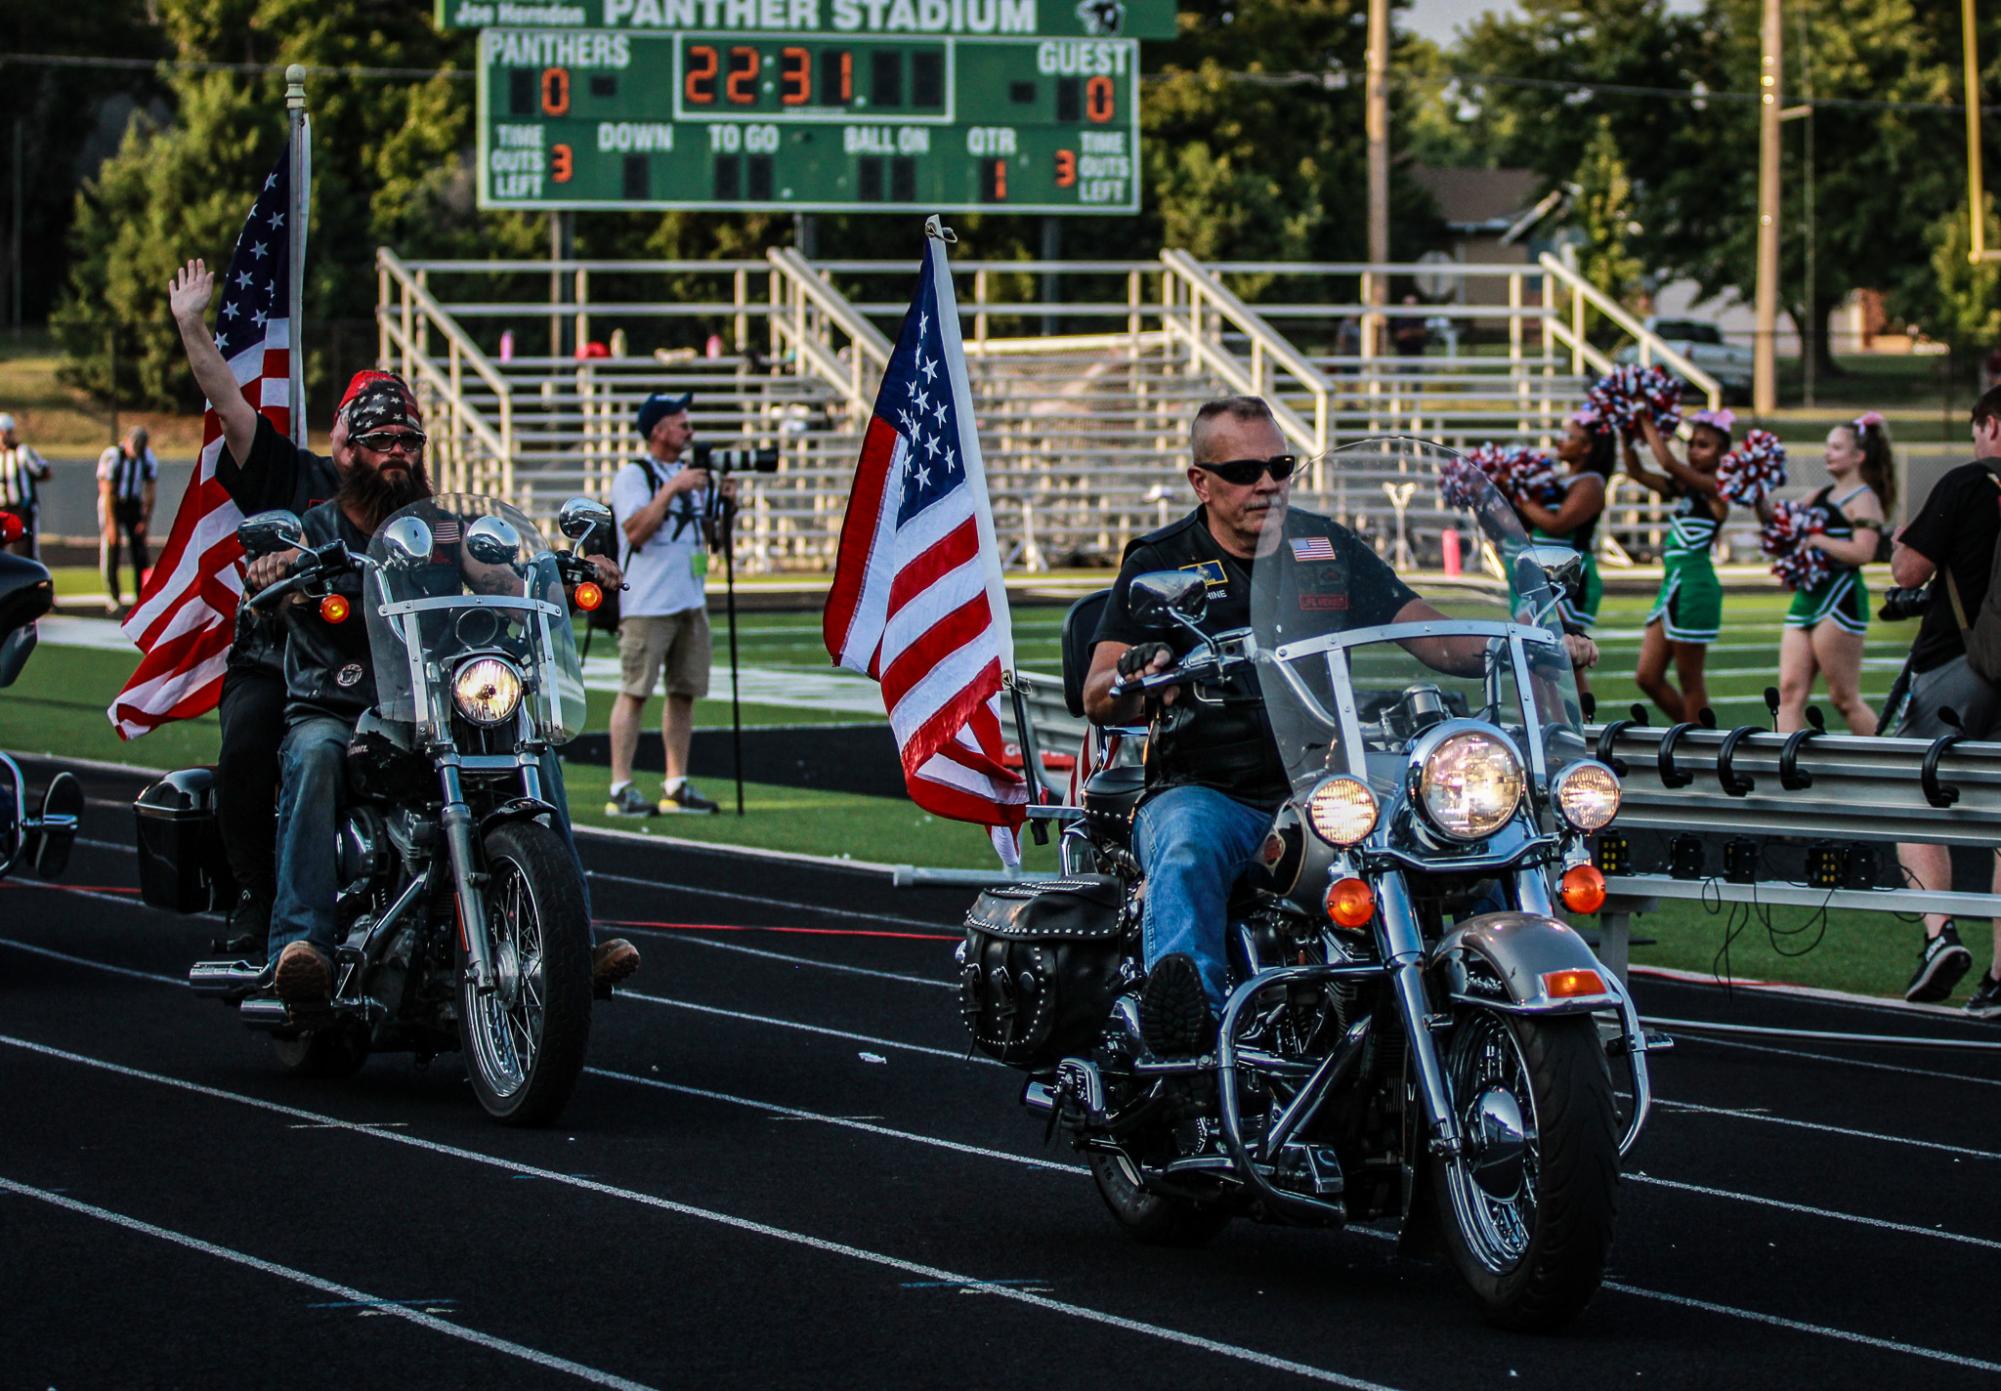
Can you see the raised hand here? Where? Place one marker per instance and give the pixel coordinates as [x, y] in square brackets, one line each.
[188, 293]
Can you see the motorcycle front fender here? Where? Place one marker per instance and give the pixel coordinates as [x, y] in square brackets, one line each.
[517, 809]
[1525, 956]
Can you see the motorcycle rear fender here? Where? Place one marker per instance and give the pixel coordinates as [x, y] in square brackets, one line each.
[1519, 951]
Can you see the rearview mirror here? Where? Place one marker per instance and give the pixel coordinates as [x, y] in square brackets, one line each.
[1163, 598]
[583, 519]
[270, 532]
[1563, 566]
[408, 541]
[492, 541]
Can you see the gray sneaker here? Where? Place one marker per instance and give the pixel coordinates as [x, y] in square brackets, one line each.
[686, 799]
[629, 801]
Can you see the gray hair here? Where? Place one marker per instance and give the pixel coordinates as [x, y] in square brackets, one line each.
[1246, 408]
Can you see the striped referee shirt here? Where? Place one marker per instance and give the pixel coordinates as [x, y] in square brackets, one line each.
[20, 469]
[127, 476]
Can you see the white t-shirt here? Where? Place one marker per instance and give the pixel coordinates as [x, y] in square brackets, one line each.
[661, 576]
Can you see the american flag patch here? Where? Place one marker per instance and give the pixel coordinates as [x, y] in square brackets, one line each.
[1311, 548]
[445, 533]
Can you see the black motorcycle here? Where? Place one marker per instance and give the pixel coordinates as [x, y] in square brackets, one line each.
[461, 913]
[41, 839]
[1411, 1033]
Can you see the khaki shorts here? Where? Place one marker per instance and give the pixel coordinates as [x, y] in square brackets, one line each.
[679, 642]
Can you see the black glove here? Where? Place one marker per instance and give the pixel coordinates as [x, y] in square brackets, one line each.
[1135, 659]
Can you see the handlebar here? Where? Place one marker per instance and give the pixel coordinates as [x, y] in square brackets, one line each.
[1199, 668]
[324, 563]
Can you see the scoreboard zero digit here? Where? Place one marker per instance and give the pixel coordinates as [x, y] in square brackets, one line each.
[745, 121]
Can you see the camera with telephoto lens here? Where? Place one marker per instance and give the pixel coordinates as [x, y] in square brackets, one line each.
[1906, 602]
[736, 459]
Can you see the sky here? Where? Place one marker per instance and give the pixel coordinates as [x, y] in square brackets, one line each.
[1436, 19]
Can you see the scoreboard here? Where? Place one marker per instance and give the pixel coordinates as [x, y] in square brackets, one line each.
[804, 122]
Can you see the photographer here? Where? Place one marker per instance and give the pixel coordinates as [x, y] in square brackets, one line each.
[662, 507]
[1953, 539]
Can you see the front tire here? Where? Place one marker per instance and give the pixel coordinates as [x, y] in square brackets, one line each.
[525, 1039]
[1153, 1219]
[1526, 1213]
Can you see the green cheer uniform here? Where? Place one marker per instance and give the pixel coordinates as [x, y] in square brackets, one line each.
[1690, 603]
[1842, 598]
[1583, 614]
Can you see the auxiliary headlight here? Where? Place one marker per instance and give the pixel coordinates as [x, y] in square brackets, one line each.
[1341, 811]
[1470, 785]
[486, 690]
[1587, 796]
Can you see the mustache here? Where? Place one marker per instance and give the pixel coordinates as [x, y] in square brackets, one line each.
[377, 492]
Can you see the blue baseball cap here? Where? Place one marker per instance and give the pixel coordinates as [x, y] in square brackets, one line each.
[658, 407]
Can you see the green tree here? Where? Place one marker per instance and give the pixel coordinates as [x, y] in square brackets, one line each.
[1965, 305]
[1603, 215]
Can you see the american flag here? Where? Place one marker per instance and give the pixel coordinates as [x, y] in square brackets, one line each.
[186, 614]
[1312, 548]
[917, 601]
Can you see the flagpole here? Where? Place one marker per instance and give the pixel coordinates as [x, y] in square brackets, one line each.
[955, 357]
[295, 242]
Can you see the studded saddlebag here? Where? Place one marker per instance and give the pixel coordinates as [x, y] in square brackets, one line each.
[1041, 967]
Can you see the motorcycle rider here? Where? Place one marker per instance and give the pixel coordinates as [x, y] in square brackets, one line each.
[329, 683]
[1214, 774]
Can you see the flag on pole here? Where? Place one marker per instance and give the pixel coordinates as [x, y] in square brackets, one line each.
[917, 601]
[185, 618]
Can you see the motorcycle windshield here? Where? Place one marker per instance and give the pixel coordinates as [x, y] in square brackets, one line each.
[457, 577]
[1367, 635]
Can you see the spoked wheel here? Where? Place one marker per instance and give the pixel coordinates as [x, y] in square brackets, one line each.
[1527, 1210]
[525, 1038]
[1153, 1219]
[334, 1052]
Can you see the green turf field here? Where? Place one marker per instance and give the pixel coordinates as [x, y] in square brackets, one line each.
[58, 707]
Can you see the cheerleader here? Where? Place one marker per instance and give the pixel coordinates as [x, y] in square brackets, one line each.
[1573, 522]
[1688, 612]
[1826, 625]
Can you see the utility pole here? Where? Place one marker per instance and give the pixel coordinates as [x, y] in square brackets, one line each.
[1764, 361]
[1377, 121]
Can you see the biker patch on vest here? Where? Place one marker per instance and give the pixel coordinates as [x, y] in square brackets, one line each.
[349, 675]
[1211, 571]
[1319, 575]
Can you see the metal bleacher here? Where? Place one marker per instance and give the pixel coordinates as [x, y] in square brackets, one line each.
[1085, 375]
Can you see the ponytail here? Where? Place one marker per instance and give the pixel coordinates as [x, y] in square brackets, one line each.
[1879, 462]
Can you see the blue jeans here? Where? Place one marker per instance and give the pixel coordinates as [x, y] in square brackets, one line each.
[312, 792]
[312, 789]
[1194, 844]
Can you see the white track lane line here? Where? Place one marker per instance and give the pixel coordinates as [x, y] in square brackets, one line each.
[314, 1282]
[954, 1054]
[766, 900]
[769, 955]
[1804, 1210]
[1710, 1041]
[746, 1225]
[1696, 1108]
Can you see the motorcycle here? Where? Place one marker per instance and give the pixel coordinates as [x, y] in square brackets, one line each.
[1411, 1033]
[461, 911]
[40, 839]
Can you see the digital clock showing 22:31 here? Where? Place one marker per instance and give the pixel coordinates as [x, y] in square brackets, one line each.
[808, 79]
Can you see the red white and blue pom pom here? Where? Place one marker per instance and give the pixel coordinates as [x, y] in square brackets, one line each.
[1515, 474]
[1462, 483]
[1749, 473]
[1621, 397]
[1797, 565]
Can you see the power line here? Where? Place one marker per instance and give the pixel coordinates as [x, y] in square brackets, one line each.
[71, 60]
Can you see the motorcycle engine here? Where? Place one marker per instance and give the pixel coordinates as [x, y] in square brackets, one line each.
[361, 854]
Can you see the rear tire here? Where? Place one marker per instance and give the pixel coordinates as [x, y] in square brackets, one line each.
[327, 1054]
[525, 1041]
[1534, 1260]
[1154, 1219]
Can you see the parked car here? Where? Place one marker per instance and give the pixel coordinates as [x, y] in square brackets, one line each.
[1702, 343]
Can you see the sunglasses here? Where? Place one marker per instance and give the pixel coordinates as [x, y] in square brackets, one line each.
[392, 442]
[1244, 472]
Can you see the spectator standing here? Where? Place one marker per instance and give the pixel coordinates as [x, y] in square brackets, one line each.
[1828, 624]
[22, 470]
[1955, 532]
[1412, 335]
[661, 503]
[128, 475]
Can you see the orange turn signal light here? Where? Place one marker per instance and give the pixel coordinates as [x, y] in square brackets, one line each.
[1569, 985]
[1583, 889]
[1351, 903]
[334, 609]
[589, 596]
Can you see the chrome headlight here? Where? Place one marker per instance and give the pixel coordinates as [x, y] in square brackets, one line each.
[1341, 810]
[1470, 784]
[1587, 795]
[486, 690]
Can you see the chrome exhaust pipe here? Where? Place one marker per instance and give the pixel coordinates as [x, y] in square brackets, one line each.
[264, 1013]
[227, 980]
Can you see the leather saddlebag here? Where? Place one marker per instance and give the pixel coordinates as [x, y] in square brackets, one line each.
[1041, 967]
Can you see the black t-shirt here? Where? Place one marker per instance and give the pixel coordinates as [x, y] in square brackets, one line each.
[1332, 580]
[278, 473]
[327, 666]
[1957, 531]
